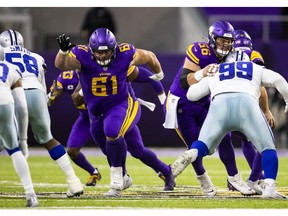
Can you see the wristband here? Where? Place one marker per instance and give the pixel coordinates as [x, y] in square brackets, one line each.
[63, 52]
[80, 92]
[198, 75]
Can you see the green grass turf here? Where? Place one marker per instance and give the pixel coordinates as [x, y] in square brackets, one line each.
[146, 191]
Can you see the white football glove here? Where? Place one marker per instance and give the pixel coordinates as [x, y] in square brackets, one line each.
[24, 148]
[157, 77]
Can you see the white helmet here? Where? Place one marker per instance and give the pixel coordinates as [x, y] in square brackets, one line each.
[239, 55]
[11, 37]
[1, 53]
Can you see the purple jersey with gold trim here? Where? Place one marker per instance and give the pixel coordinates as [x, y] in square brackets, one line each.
[104, 87]
[255, 57]
[68, 81]
[201, 54]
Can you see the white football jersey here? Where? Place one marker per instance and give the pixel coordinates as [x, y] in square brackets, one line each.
[31, 65]
[9, 75]
[240, 76]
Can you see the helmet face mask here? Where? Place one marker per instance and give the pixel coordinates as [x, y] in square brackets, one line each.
[102, 44]
[11, 37]
[221, 30]
[239, 55]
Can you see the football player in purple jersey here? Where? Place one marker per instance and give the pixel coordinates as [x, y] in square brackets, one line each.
[243, 42]
[67, 82]
[104, 67]
[187, 117]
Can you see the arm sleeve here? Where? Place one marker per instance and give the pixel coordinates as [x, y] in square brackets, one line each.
[143, 77]
[198, 90]
[21, 111]
[273, 79]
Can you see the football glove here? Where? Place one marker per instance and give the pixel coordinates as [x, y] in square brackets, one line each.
[64, 43]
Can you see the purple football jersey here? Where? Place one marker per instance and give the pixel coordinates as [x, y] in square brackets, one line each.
[200, 54]
[104, 87]
[68, 80]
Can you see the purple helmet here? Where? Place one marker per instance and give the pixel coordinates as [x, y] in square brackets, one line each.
[242, 40]
[102, 44]
[221, 29]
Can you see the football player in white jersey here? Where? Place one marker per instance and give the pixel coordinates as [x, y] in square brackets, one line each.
[33, 68]
[235, 91]
[12, 100]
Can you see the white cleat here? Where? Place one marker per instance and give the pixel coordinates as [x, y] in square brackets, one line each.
[255, 186]
[206, 185]
[262, 184]
[270, 192]
[116, 182]
[127, 181]
[113, 193]
[75, 188]
[235, 183]
[32, 200]
[183, 161]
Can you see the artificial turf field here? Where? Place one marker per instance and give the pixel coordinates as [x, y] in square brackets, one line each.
[145, 193]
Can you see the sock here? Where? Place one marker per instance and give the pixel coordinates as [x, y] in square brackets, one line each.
[116, 152]
[22, 169]
[249, 152]
[256, 172]
[270, 163]
[227, 155]
[82, 162]
[65, 165]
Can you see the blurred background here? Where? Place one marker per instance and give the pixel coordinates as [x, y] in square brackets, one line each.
[166, 31]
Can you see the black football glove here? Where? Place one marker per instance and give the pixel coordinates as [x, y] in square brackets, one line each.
[64, 43]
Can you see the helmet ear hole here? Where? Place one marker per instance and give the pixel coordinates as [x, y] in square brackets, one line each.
[11, 37]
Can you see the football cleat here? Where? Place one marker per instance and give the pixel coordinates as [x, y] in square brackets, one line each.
[206, 185]
[183, 161]
[269, 191]
[32, 200]
[113, 193]
[116, 182]
[94, 178]
[235, 183]
[169, 181]
[75, 188]
[255, 186]
[127, 181]
[161, 176]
